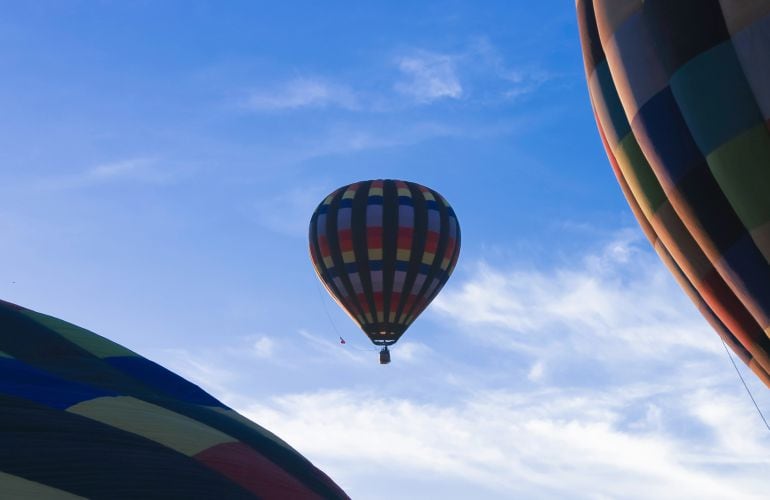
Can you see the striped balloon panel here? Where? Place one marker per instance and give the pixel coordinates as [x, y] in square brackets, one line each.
[384, 249]
[83, 417]
[681, 95]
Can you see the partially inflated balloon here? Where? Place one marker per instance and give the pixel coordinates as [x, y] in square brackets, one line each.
[384, 249]
[681, 94]
[83, 417]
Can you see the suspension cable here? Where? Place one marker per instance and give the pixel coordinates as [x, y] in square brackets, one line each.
[748, 391]
[331, 321]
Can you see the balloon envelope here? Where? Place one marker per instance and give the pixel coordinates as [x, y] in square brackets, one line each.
[384, 249]
[83, 417]
[681, 94]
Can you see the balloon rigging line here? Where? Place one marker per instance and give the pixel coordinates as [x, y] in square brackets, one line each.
[328, 316]
[331, 322]
[744, 383]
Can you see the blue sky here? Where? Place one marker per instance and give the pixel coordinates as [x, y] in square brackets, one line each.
[159, 162]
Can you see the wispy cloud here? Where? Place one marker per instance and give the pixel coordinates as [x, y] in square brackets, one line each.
[331, 348]
[138, 170]
[345, 139]
[615, 302]
[500, 80]
[289, 212]
[263, 347]
[304, 92]
[514, 444]
[204, 371]
[341, 138]
[509, 419]
[429, 77]
[412, 352]
[477, 74]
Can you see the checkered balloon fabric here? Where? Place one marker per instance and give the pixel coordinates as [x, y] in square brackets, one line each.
[681, 94]
[384, 249]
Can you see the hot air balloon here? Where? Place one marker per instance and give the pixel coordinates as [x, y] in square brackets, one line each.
[83, 417]
[384, 249]
[681, 94]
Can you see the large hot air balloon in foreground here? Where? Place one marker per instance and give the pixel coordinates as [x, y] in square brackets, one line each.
[83, 417]
[681, 94]
[384, 249]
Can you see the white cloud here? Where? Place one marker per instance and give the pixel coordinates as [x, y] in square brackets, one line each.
[520, 422]
[478, 73]
[737, 433]
[333, 350]
[141, 170]
[289, 212]
[126, 168]
[412, 352]
[618, 302]
[345, 139]
[495, 74]
[263, 347]
[304, 92]
[537, 371]
[201, 370]
[429, 77]
[541, 444]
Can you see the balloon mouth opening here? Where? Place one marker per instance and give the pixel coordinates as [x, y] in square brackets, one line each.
[383, 342]
[384, 334]
[383, 337]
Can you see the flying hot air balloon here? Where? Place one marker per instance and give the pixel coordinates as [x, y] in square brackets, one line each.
[681, 94]
[384, 249]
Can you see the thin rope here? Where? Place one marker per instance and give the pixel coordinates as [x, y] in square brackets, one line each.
[331, 322]
[744, 382]
[329, 316]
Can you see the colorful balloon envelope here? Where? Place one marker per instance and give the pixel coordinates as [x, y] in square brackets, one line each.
[83, 417]
[681, 94]
[384, 249]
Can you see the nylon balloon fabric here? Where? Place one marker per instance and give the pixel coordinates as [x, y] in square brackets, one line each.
[681, 95]
[384, 249]
[83, 417]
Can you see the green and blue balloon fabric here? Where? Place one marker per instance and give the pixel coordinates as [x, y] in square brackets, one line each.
[83, 417]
